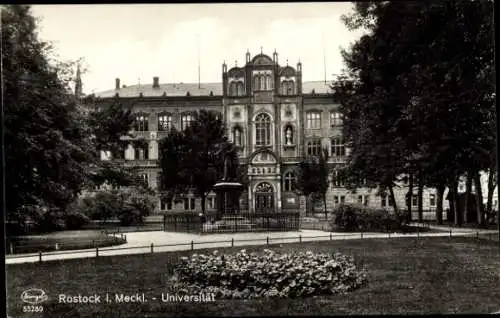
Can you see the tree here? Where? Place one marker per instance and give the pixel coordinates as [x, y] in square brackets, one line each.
[193, 160]
[418, 91]
[312, 177]
[52, 140]
[46, 149]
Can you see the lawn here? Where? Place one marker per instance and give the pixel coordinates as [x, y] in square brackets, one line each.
[65, 240]
[405, 276]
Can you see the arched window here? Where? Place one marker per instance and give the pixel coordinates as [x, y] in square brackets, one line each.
[256, 83]
[141, 122]
[288, 135]
[314, 147]
[263, 82]
[290, 89]
[289, 181]
[232, 89]
[240, 89]
[269, 82]
[164, 122]
[263, 130]
[237, 136]
[186, 120]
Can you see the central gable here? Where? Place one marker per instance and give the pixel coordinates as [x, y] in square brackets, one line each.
[264, 157]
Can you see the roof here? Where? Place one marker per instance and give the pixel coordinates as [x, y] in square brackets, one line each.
[171, 89]
[262, 59]
[204, 89]
[319, 87]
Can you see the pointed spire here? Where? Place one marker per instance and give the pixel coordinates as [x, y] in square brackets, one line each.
[261, 50]
[78, 82]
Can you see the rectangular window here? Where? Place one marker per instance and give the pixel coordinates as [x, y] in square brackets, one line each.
[192, 203]
[165, 204]
[141, 123]
[141, 153]
[360, 199]
[336, 199]
[391, 200]
[414, 200]
[313, 120]
[342, 199]
[186, 121]
[211, 203]
[335, 119]
[164, 122]
[432, 199]
[366, 199]
[338, 180]
[338, 148]
[314, 147]
[145, 178]
[383, 201]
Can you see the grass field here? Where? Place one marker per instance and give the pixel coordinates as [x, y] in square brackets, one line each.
[65, 240]
[405, 276]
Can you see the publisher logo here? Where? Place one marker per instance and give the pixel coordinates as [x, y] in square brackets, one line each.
[34, 296]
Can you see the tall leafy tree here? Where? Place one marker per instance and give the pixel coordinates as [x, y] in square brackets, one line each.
[194, 159]
[46, 149]
[52, 139]
[312, 177]
[419, 90]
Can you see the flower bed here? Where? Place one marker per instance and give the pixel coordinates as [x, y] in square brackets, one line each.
[267, 274]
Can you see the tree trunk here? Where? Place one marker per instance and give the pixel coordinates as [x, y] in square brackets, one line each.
[439, 203]
[203, 198]
[468, 196]
[491, 189]
[453, 202]
[324, 202]
[420, 198]
[409, 196]
[479, 199]
[394, 204]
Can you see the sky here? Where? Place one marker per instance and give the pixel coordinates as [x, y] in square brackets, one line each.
[135, 42]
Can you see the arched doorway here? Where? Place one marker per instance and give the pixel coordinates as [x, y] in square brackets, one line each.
[264, 198]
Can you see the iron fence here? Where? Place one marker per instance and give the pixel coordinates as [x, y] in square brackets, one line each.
[241, 222]
[192, 245]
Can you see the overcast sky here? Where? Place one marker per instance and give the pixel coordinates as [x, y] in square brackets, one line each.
[138, 41]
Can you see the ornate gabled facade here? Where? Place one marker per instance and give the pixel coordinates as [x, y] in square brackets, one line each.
[273, 117]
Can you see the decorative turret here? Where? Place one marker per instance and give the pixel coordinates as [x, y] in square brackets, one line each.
[299, 78]
[275, 57]
[247, 59]
[78, 83]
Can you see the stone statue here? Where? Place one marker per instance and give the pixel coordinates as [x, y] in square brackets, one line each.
[227, 168]
[288, 136]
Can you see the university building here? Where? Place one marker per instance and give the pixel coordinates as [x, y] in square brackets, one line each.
[272, 116]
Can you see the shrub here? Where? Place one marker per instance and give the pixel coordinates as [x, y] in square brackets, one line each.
[267, 274]
[349, 218]
[75, 221]
[136, 205]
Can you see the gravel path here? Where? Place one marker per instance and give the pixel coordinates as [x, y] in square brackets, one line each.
[141, 242]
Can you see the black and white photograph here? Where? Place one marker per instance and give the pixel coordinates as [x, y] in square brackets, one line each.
[250, 159]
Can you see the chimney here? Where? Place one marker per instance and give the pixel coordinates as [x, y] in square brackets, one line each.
[156, 82]
[117, 83]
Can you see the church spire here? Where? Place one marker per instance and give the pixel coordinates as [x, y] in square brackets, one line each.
[78, 83]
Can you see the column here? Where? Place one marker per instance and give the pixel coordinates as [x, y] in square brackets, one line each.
[250, 199]
[278, 193]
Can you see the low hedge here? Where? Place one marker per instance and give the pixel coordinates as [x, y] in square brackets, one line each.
[269, 274]
[350, 218]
